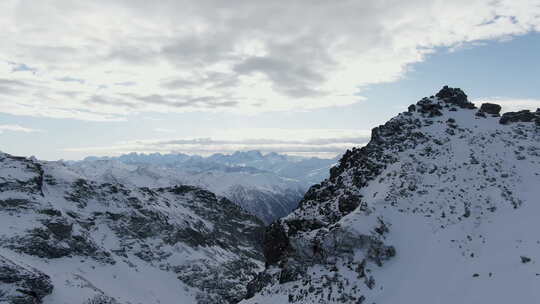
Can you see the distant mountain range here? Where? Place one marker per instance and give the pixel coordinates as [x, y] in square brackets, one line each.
[268, 186]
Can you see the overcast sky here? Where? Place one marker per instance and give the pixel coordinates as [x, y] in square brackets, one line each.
[81, 78]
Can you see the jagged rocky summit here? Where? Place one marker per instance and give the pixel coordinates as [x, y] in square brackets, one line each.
[68, 240]
[441, 206]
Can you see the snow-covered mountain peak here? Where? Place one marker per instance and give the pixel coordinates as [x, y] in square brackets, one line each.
[439, 207]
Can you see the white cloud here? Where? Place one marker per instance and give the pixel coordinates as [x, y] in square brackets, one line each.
[17, 128]
[511, 104]
[316, 142]
[163, 130]
[102, 60]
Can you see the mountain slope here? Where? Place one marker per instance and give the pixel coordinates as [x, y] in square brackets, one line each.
[440, 207]
[65, 239]
[268, 186]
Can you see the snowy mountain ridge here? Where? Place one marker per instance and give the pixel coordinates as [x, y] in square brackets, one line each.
[65, 239]
[440, 207]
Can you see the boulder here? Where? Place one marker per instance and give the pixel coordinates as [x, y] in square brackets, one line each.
[427, 106]
[480, 114]
[521, 116]
[455, 96]
[24, 285]
[490, 108]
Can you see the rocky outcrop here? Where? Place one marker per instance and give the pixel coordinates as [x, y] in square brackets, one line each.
[490, 108]
[455, 96]
[520, 116]
[22, 284]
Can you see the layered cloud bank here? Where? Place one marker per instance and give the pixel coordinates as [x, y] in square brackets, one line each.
[324, 143]
[17, 128]
[102, 60]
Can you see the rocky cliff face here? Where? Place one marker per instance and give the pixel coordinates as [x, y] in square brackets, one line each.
[439, 207]
[22, 284]
[65, 239]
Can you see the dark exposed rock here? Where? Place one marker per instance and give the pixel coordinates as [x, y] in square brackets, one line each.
[455, 96]
[370, 282]
[189, 236]
[27, 285]
[44, 243]
[32, 185]
[276, 243]
[378, 252]
[525, 259]
[429, 107]
[51, 212]
[81, 192]
[183, 189]
[101, 299]
[348, 204]
[480, 114]
[59, 227]
[218, 291]
[14, 204]
[261, 280]
[291, 270]
[521, 116]
[296, 226]
[490, 108]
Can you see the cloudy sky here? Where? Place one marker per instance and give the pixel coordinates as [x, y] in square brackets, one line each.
[98, 77]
